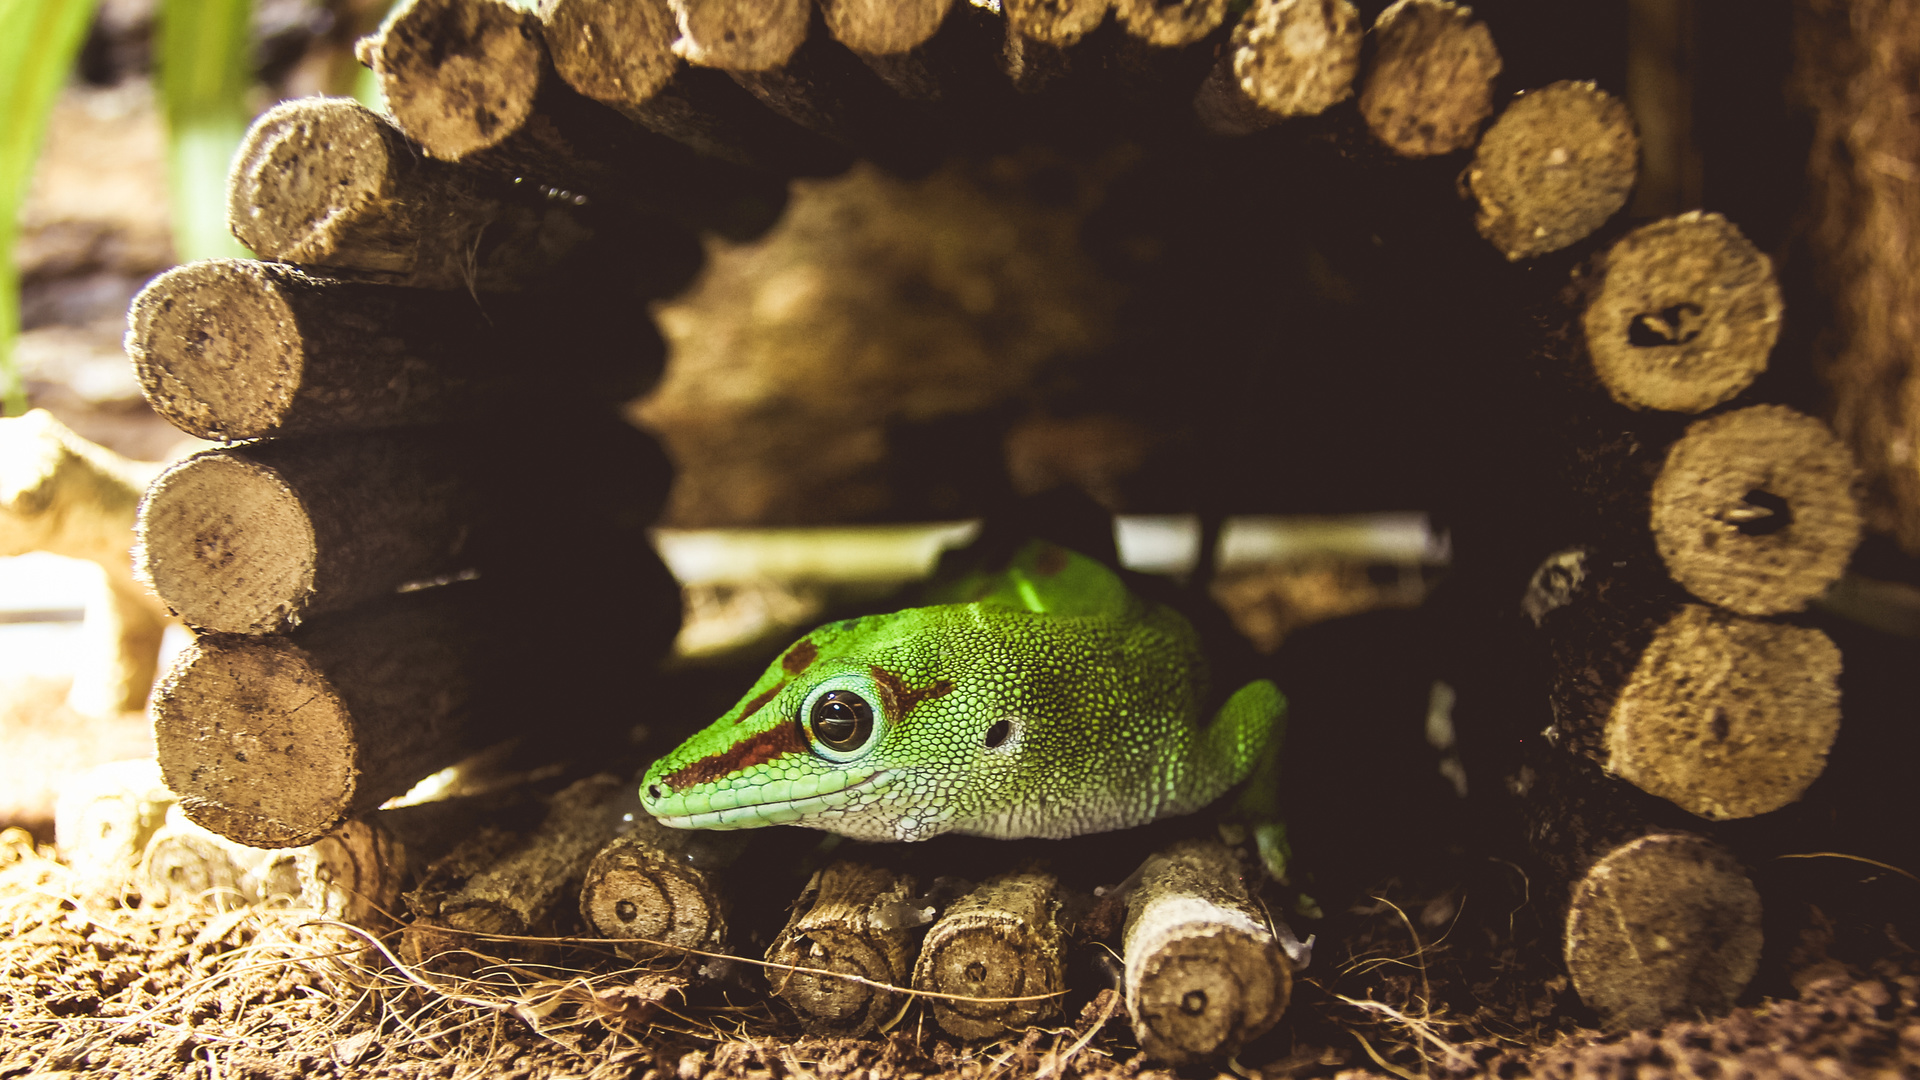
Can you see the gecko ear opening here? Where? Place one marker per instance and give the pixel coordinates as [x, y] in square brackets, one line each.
[998, 733]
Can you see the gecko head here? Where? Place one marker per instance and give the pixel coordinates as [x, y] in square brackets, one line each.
[858, 729]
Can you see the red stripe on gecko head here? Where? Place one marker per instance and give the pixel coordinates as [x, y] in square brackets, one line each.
[799, 658]
[754, 750]
[896, 700]
[759, 702]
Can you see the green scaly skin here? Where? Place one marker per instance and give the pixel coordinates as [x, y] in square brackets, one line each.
[1049, 702]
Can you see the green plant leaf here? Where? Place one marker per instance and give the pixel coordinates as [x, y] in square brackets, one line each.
[205, 57]
[38, 39]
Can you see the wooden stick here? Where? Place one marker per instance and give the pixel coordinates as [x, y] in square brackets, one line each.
[518, 889]
[857, 920]
[1203, 974]
[357, 872]
[231, 349]
[184, 863]
[259, 539]
[662, 884]
[1723, 715]
[273, 741]
[887, 36]
[1006, 938]
[102, 822]
[1558, 163]
[1683, 316]
[1286, 58]
[1754, 510]
[1431, 80]
[1170, 25]
[1039, 33]
[327, 182]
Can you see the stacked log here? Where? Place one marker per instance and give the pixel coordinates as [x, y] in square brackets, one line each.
[1672, 673]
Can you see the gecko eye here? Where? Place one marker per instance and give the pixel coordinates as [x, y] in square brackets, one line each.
[842, 720]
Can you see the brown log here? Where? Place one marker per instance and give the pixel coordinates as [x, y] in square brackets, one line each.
[663, 885]
[1170, 25]
[1005, 939]
[1286, 58]
[186, 864]
[1682, 314]
[357, 872]
[102, 823]
[273, 741]
[231, 349]
[1203, 973]
[1039, 33]
[328, 182]
[852, 919]
[1723, 715]
[1554, 167]
[259, 539]
[1754, 510]
[1855, 70]
[1430, 83]
[1660, 923]
[518, 888]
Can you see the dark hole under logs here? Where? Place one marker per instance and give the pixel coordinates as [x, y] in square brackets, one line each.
[1675, 325]
[1760, 513]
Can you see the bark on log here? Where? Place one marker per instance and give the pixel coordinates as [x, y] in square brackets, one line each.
[232, 349]
[853, 919]
[1285, 58]
[518, 891]
[661, 884]
[102, 823]
[1039, 33]
[1554, 167]
[328, 182]
[1723, 715]
[1660, 922]
[1430, 83]
[887, 36]
[187, 864]
[621, 55]
[357, 872]
[1005, 939]
[273, 741]
[1203, 974]
[259, 539]
[1856, 68]
[1683, 314]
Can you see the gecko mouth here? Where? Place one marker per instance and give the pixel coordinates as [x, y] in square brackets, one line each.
[776, 811]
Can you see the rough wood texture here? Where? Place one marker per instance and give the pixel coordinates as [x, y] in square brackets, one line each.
[261, 538]
[1170, 25]
[890, 36]
[1203, 974]
[741, 35]
[1724, 715]
[62, 494]
[1286, 58]
[1754, 510]
[663, 885]
[186, 864]
[1684, 314]
[102, 823]
[1857, 68]
[273, 741]
[1039, 34]
[1430, 83]
[1554, 167]
[519, 890]
[853, 919]
[1005, 939]
[231, 349]
[328, 182]
[357, 872]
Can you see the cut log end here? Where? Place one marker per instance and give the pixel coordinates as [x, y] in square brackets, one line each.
[214, 346]
[1286, 58]
[884, 27]
[310, 172]
[227, 543]
[256, 741]
[1754, 510]
[633, 890]
[1059, 23]
[1170, 25]
[354, 873]
[1003, 940]
[1431, 82]
[1724, 716]
[741, 35]
[1685, 316]
[1661, 928]
[846, 923]
[1557, 164]
[459, 75]
[617, 53]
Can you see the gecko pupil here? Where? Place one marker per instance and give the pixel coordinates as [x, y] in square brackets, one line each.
[842, 720]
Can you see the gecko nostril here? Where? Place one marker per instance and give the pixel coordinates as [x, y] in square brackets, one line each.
[653, 791]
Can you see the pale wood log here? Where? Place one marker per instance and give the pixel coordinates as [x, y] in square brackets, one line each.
[1286, 58]
[102, 822]
[275, 740]
[665, 885]
[1170, 25]
[1006, 938]
[357, 872]
[328, 182]
[852, 919]
[1430, 83]
[1203, 973]
[1039, 33]
[260, 538]
[1554, 167]
[887, 36]
[186, 864]
[1682, 314]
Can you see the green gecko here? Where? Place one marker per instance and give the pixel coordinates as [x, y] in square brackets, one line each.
[1048, 701]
